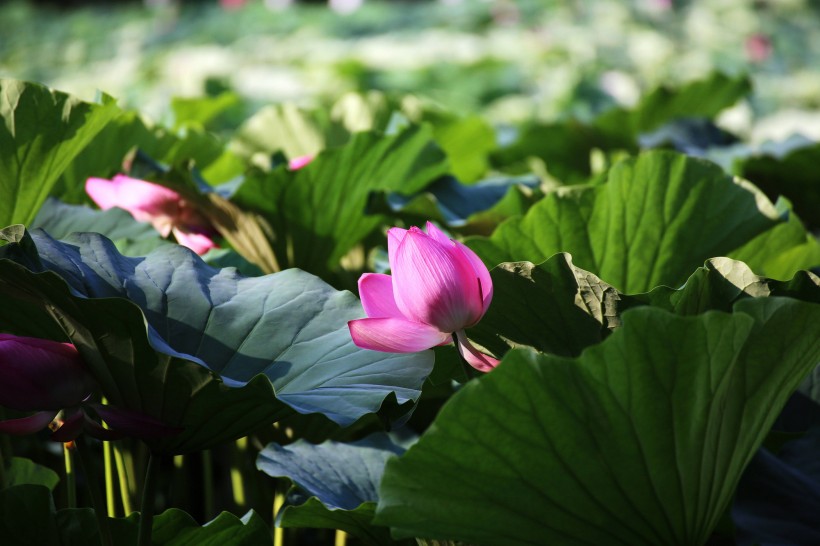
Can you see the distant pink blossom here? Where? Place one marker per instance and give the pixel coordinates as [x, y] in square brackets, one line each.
[232, 4]
[438, 288]
[758, 48]
[298, 162]
[164, 208]
[661, 5]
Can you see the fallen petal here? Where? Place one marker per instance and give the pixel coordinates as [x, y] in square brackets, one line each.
[394, 335]
[474, 357]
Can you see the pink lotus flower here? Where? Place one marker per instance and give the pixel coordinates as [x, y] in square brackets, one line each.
[50, 378]
[438, 288]
[164, 208]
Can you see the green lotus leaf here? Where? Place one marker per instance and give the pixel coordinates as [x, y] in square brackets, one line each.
[335, 484]
[26, 471]
[701, 98]
[782, 250]
[641, 439]
[553, 307]
[316, 213]
[657, 218]
[176, 528]
[131, 237]
[41, 132]
[33, 505]
[558, 308]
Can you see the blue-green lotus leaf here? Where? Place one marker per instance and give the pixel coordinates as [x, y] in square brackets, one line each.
[199, 347]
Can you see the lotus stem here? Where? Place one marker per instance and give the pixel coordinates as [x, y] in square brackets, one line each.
[149, 492]
[341, 538]
[124, 482]
[237, 485]
[208, 483]
[70, 477]
[87, 465]
[108, 468]
[278, 532]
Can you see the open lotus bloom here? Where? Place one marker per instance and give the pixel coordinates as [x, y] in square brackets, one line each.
[50, 378]
[164, 208]
[438, 287]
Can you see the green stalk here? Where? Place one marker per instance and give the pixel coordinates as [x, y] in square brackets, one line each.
[208, 483]
[149, 493]
[108, 468]
[237, 485]
[278, 502]
[124, 482]
[87, 465]
[341, 538]
[70, 477]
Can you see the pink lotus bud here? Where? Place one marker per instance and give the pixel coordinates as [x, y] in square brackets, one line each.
[438, 287]
[164, 208]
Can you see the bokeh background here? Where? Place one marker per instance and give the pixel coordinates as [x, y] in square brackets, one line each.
[508, 60]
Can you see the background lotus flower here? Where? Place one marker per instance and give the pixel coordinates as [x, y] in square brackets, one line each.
[438, 287]
[167, 211]
[298, 162]
[50, 378]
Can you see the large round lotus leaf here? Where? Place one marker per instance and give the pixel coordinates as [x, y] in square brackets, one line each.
[632, 442]
[198, 347]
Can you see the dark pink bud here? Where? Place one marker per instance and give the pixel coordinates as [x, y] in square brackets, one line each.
[40, 374]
